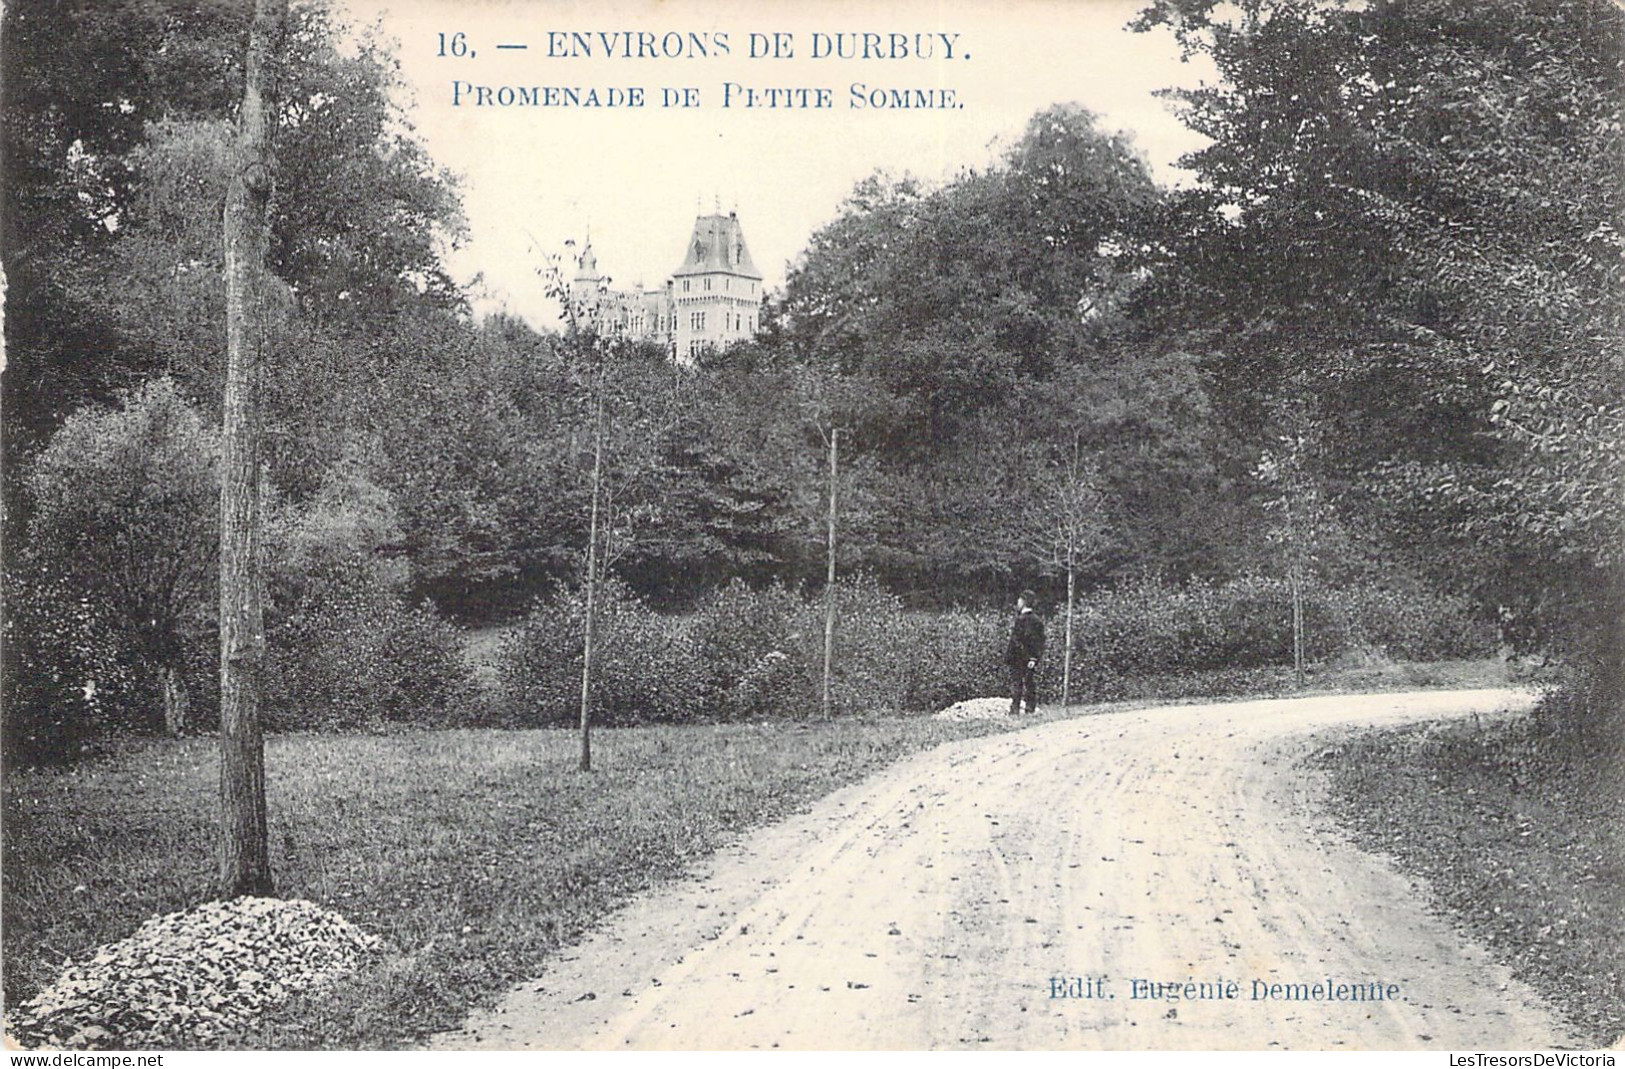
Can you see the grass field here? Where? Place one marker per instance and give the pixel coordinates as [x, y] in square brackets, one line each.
[474, 854]
[1521, 839]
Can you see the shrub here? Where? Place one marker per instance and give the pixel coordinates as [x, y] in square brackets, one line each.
[754, 653]
[349, 652]
[647, 667]
[765, 651]
[951, 656]
[871, 654]
[425, 677]
[64, 676]
[751, 654]
[1151, 628]
[346, 649]
[745, 654]
[1250, 622]
[1417, 624]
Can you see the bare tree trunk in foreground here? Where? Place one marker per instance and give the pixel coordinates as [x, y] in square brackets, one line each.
[245, 865]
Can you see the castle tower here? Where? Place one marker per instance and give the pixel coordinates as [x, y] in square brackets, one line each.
[717, 292]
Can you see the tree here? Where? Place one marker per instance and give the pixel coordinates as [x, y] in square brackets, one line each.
[120, 146]
[117, 147]
[592, 561]
[987, 318]
[83, 79]
[1423, 218]
[1066, 530]
[628, 428]
[829, 575]
[245, 865]
[950, 297]
[830, 404]
[125, 516]
[1301, 513]
[357, 258]
[729, 488]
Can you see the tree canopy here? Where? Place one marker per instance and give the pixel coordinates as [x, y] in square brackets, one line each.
[1410, 220]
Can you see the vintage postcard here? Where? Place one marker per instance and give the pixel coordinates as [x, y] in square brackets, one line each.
[667, 524]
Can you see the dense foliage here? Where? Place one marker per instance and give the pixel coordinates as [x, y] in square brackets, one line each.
[112, 602]
[747, 654]
[1410, 228]
[985, 314]
[1374, 348]
[111, 614]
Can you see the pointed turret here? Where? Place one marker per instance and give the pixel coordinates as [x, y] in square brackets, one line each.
[587, 263]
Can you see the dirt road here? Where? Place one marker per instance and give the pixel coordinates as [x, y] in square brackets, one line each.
[1007, 892]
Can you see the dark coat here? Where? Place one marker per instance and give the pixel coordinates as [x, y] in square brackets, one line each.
[1026, 640]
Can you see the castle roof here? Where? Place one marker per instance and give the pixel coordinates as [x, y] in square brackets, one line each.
[718, 246]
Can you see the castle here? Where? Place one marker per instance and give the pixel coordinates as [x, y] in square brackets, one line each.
[713, 299]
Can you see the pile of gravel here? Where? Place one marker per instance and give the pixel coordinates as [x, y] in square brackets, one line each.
[184, 979]
[977, 709]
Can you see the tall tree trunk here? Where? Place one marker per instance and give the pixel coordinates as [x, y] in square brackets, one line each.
[592, 574]
[1066, 656]
[245, 865]
[829, 581]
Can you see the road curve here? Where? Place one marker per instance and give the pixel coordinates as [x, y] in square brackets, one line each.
[948, 901]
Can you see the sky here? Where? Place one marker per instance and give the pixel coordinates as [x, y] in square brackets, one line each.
[535, 177]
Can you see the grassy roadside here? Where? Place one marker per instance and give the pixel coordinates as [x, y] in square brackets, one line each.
[475, 854]
[1277, 681]
[1522, 842]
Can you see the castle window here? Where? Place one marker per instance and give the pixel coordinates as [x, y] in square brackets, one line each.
[685, 285]
[696, 320]
[708, 284]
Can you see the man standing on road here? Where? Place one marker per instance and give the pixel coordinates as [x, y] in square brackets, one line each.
[1021, 656]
